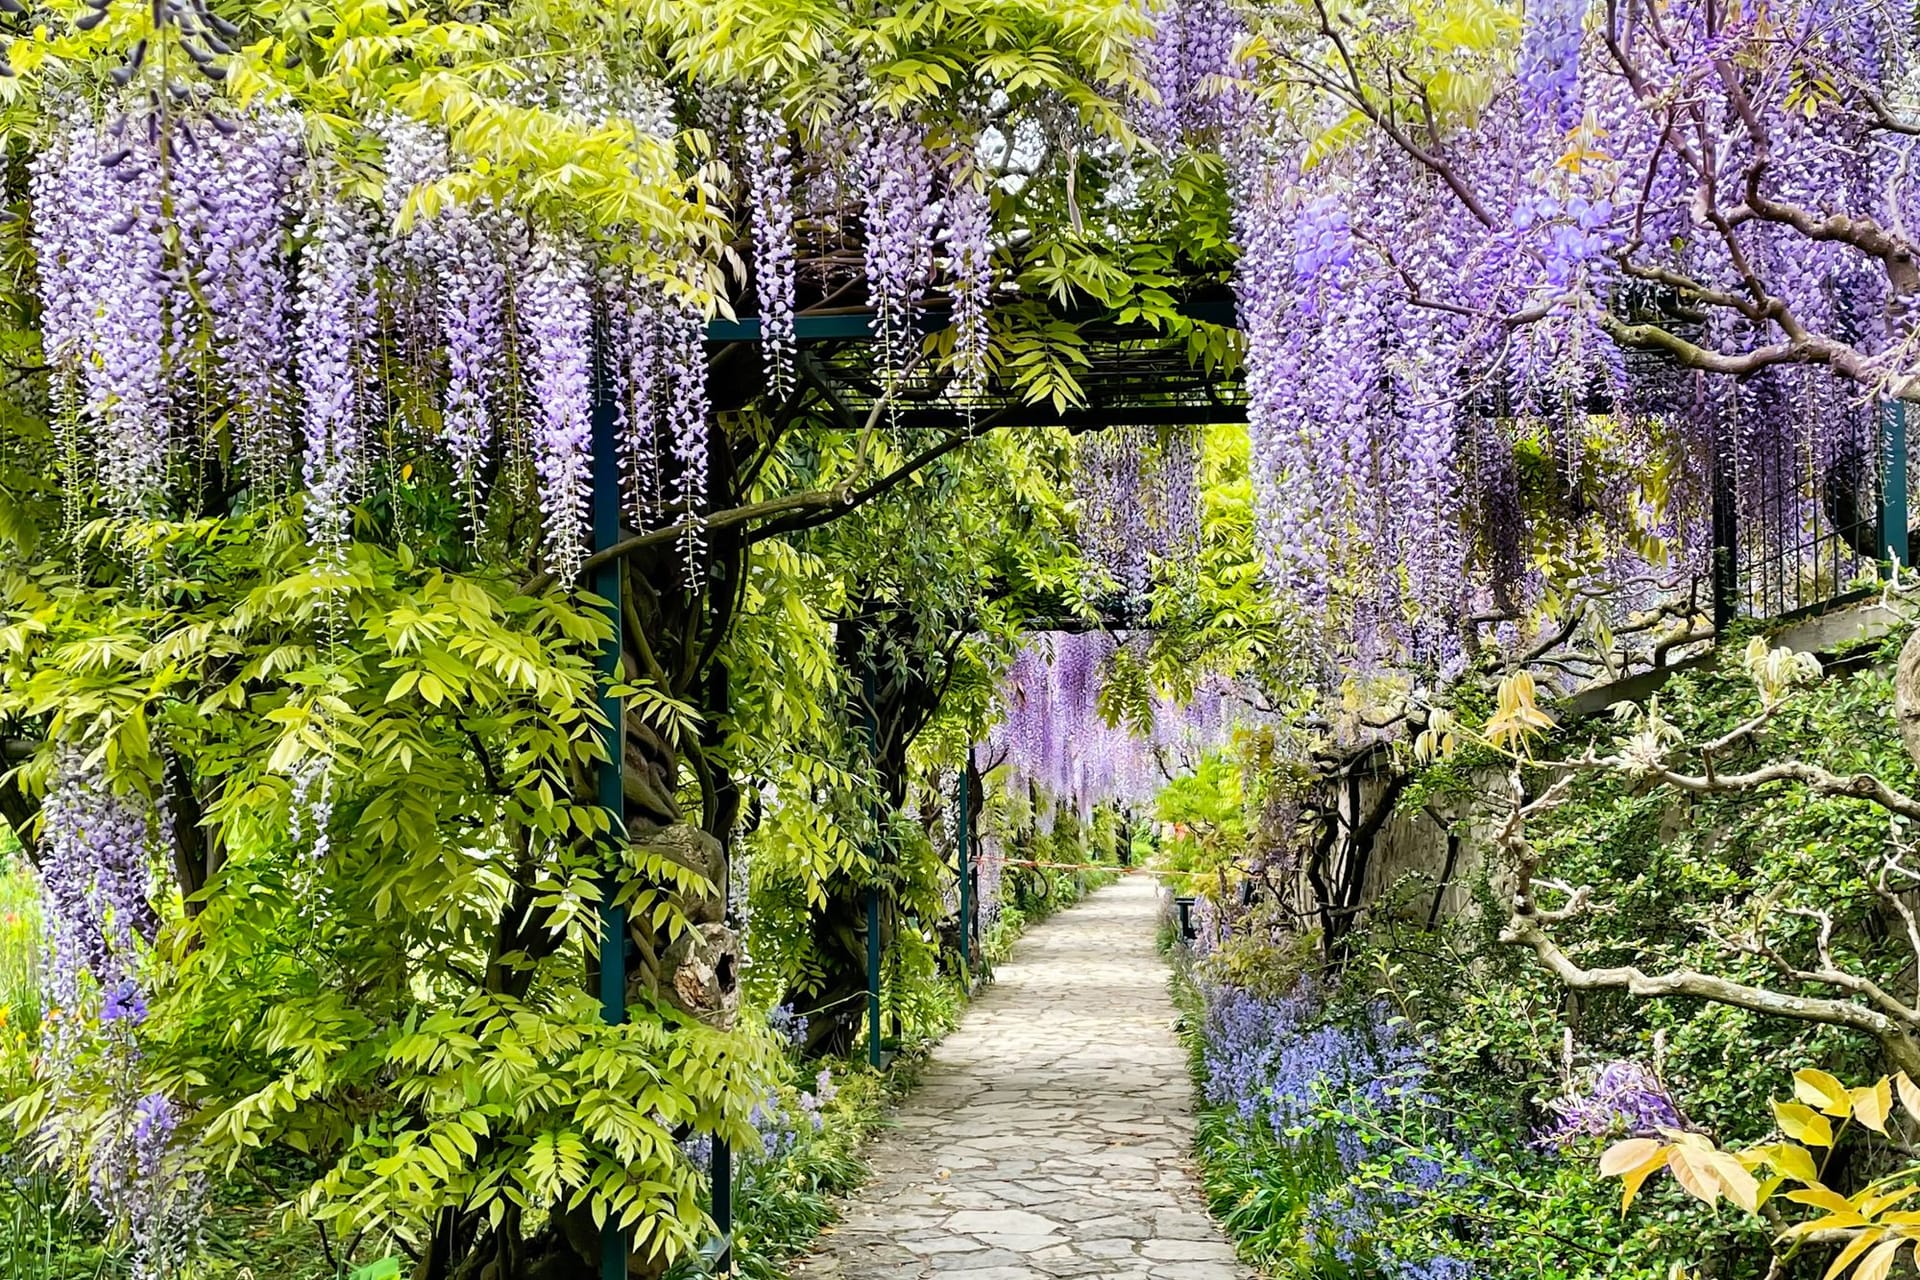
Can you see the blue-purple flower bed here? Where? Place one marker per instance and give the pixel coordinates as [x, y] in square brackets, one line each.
[1341, 1141]
[1311, 1103]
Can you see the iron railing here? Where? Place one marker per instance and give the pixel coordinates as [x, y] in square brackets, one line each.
[1791, 537]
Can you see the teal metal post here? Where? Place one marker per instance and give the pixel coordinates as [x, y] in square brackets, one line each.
[1893, 482]
[966, 861]
[870, 713]
[874, 1058]
[606, 585]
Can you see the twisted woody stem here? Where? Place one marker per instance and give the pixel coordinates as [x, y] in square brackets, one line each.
[1861, 1003]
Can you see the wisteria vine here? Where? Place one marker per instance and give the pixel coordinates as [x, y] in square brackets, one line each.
[1056, 731]
[1471, 336]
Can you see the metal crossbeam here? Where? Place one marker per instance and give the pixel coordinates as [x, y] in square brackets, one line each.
[857, 325]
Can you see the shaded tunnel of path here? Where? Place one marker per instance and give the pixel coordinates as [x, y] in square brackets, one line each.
[1050, 1132]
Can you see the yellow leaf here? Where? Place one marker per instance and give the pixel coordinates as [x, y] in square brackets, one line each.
[1632, 1181]
[1909, 1094]
[1736, 1181]
[1634, 1161]
[1876, 1264]
[1694, 1171]
[1818, 1089]
[1822, 1198]
[1793, 1161]
[1874, 1206]
[1871, 1104]
[1855, 1247]
[1624, 1157]
[1803, 1124]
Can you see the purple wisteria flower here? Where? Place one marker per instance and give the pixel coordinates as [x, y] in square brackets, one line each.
[95, 881]
[556, 320]
[1188, 61]
[337, 312]
[1550, 61]
[969, 239]
[900, 217]
[689, 419]
[1624, 1100]
[123, 1002]
[233, 203]
[698, 1149]
[108, 290]
[155, 1119]
[473, 288]
[1055, 733]
[770, 199]
[665, 410]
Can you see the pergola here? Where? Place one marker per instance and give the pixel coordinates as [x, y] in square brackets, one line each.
[1135, 375]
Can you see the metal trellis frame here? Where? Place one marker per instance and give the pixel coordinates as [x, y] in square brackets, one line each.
[870, 721]
[964, 842]
[1893, 482]
[611, 976]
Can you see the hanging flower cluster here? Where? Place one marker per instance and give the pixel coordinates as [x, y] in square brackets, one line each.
[1459, 360]
[95, 882]
[770, 188]
[473, 286]
[233, 201]
[246, 288]
[1623, 1100]
[109, 293]
[96, 886]
[1055, 732]
[1139, 495]
[162, 282]
[1549, 72]
[337, 311]
[639, 362]
[556, 317]
[900, 217]
[1188, 61]
[970, 254]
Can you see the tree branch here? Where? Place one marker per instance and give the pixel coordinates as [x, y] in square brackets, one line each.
[1523, 931]
[847, 502]
[718, 520]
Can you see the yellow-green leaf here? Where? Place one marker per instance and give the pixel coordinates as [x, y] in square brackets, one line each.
[1855, 1247]
[1818, 1089]
[1872, 1103]
[1803, 1124]
[1909, 1094]
[1877, 1263]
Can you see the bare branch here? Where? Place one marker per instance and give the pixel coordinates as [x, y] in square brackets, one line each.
[1523, 930]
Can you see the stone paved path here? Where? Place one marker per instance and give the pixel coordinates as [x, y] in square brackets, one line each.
[1049, 1134]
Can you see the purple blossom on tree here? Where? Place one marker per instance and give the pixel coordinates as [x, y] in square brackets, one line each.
[900, 216]
[556, 320]
[234, 206]
[969, 239]
[770, 197]
[1623, 1100]
[108, 289]
[337, 305]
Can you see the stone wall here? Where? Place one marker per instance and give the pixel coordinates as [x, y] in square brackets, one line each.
[1416, 847]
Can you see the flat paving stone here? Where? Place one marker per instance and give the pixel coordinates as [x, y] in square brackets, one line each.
[1048, 1136]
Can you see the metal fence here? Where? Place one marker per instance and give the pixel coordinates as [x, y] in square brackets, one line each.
[1791, 537]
